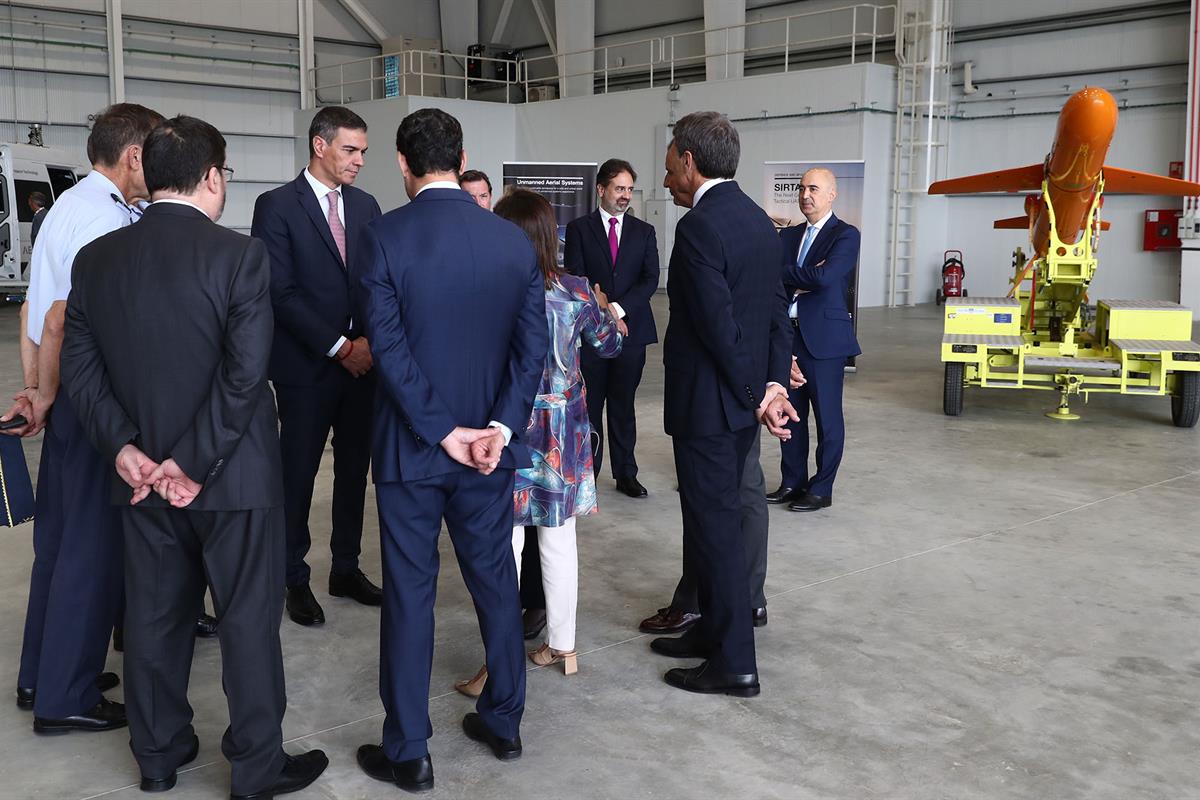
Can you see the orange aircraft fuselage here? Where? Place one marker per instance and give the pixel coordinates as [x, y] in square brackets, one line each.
[1071, 173]
[1085, 128]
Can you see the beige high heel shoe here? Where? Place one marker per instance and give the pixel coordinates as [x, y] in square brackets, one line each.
[474, 686]
[545, 655]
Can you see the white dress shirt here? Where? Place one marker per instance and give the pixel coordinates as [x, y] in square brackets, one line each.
[439, 185]
[322, 192]
[704, 187]
[618, 312]
[80, 215]
[815, 227]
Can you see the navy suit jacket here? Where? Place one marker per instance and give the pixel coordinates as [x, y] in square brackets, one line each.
[632, 282]
[311, 291]
[824, 319]
[728, 331]
[455, 309]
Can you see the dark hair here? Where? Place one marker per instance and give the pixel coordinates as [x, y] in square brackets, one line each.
[117, 128]
[472, 175]
[611, 169]
[179, 153]
[430, 141]
[712, 141]
[326, 123]
[38, 199]
[532, 213]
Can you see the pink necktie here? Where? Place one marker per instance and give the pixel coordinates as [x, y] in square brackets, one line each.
[335, 224]
[612, 239]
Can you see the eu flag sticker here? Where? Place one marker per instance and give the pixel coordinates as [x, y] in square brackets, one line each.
[1002, 318]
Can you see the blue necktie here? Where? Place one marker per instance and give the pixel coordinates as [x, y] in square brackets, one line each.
[808, 240]
[807, 243]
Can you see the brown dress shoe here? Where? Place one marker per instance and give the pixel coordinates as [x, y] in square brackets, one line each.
[669, 620]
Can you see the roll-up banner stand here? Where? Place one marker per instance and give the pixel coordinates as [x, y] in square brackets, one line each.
[781, 200]
[569, 186]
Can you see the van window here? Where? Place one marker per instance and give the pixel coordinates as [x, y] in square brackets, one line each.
[24, 189]
[61, 179]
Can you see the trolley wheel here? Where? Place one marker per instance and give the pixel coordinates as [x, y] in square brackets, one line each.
[952, 393]
[939, 297]
[1185, 403]
[964, 292]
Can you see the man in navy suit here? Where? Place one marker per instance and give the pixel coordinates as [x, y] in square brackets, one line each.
[620, 253]
[321, 361]
[819, 260]
[723, 376]
[456, 311]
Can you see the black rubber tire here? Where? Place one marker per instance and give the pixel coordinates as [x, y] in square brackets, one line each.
[964, 294]
[1185, 403]
[952, 392]
[937, 298]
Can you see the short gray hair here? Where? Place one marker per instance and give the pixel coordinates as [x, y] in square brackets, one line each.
[712, 141]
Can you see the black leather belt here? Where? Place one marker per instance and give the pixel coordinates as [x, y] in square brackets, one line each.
[795, 322]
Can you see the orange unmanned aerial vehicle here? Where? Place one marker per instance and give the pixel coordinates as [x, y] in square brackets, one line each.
[1043, 335]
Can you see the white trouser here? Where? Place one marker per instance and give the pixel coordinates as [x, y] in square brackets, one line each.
[560, 579]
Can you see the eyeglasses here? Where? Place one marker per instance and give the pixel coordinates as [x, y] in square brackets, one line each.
[228, 173]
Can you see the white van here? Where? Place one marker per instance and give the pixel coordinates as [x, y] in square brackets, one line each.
[25, 169]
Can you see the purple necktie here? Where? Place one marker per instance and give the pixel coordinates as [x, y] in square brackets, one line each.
[335, 224]
[612, 239]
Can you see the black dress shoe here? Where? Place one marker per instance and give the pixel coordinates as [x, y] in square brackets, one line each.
[669, 620]
[631, 487]
[356, 586]
[686, 646]
[759, 615]
[298, 772]
[303, 607]
[704, 680]
[104, 716]
[504, 749]
[414, 775]
[168, 783]
[206, 626]
[810, 502]
[105, 681]
[784, 494]
[533, 622]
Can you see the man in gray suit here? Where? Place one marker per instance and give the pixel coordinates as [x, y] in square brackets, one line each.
[684, 611]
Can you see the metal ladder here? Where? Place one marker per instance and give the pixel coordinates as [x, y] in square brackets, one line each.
[921, 142]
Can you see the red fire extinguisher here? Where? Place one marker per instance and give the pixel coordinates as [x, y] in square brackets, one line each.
[953, 273]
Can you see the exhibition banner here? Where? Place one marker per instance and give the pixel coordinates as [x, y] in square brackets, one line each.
[569, 186]
[781, 200]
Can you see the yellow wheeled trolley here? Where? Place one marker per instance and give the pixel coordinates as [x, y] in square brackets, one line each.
[1043, 336]
[1135, 347]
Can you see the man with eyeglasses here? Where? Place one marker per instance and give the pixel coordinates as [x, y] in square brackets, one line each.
[75, 586]
[194, 443]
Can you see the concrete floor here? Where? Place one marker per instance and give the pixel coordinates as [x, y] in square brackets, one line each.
[997, 606]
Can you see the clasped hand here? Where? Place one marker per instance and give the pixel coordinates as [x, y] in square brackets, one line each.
[775, 411]
[144, 475]
[477, 448]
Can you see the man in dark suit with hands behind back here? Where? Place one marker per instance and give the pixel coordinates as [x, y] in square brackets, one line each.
[165, 358]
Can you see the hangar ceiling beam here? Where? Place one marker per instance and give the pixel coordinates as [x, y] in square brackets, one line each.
[502, 22]
[364, 18]
[722, 63]
[575, 23]
[544, 21]
[116, 52]
[304, 14]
